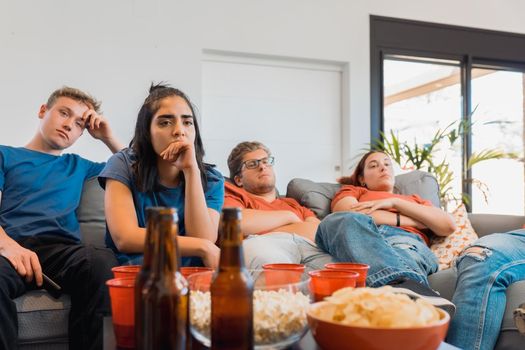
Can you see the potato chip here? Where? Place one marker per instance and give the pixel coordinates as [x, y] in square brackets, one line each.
[377, 307]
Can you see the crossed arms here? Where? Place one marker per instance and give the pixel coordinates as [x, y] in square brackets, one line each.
[411, 214]
[256, 221]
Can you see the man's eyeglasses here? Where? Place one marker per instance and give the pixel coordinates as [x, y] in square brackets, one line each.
[254, 163]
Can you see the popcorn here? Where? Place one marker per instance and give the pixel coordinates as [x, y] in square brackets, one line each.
[276, 314]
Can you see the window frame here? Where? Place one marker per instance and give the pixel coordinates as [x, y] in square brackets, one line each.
[474, 48]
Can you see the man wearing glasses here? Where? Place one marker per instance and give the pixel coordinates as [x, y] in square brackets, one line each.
[277, 229]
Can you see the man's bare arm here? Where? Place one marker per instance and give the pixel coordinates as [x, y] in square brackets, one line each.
[256, 221]
[99, 128]
[24, 261]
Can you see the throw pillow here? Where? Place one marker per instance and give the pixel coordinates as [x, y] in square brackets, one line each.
[448, 248]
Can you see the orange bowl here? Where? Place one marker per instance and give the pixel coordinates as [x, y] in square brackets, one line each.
[333, 335]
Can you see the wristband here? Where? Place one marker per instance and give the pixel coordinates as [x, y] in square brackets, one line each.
[398, 219]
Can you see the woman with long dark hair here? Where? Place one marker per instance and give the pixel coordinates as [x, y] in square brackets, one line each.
[163, 167]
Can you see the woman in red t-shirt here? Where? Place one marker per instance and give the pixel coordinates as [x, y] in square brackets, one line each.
[373, 225]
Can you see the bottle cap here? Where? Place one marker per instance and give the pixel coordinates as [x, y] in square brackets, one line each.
[231, 213]
[162, 212]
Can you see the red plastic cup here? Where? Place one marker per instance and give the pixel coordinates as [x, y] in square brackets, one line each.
[325, 282]
[126, 271]
[121, 292]
[200, 281]
[187, 271]
[282, 273]
[361, 269]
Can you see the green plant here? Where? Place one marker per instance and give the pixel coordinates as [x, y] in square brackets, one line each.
[414, 155]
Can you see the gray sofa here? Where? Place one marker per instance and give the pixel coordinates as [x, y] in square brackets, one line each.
[43, 320]
[317, 196]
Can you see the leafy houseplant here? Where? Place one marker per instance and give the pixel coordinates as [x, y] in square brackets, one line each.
[423, 156]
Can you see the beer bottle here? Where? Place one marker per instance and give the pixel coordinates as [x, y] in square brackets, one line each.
[165, 296]
[145, 270]
[231, 290]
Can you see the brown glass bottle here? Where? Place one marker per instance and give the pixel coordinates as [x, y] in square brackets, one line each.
[145, 270]
[231, 290]
[164, 298]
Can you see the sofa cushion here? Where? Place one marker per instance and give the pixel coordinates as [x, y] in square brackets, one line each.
[90, 214]
[421, 183]
[446, 249]
[444, 282]
[41, 318]
[318, 195]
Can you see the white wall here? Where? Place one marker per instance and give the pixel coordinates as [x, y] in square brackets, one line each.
[115, 48]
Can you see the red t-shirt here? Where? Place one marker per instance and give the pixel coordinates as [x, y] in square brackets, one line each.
[237, 197]
[363, 195]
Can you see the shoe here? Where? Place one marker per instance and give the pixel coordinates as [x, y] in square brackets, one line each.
[418, 290]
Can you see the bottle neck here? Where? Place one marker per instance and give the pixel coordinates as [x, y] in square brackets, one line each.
[152, 234]
[231, 247]
[165, 258]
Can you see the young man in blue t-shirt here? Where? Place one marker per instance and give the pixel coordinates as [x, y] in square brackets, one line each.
[40, 190]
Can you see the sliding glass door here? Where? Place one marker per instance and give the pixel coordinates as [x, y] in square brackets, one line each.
[498, 99]
[428, 77]
[423, 96]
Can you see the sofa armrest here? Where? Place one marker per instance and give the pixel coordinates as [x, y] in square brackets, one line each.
[485, 224]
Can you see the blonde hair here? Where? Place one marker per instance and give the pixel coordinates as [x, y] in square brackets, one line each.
[75, 94]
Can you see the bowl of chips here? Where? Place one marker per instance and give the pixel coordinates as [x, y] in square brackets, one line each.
[279, 309]
[377, 318]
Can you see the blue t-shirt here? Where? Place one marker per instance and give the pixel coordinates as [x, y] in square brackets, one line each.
[119, 167]
[41, 192]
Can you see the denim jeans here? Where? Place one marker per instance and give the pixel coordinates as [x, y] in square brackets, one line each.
[483, 278]
[390, 251]
[283, 247]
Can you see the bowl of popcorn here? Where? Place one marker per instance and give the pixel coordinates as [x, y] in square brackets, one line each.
[279, 310]
[377, 318]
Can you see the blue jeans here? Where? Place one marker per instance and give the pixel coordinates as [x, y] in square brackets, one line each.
[390, 251]
[483, 278]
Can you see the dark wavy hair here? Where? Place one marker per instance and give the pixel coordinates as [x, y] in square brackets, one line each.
[358, 172]
[145, 165]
